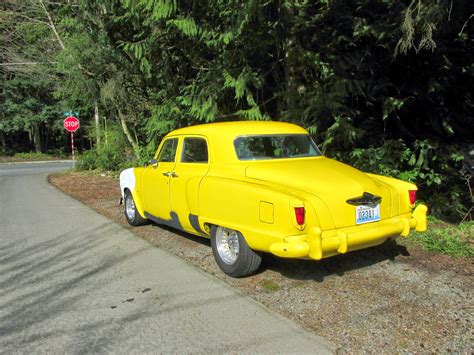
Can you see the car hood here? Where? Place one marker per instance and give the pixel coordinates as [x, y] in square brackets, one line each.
[328, 179]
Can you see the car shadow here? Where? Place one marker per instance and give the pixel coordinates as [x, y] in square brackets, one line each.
[298, 269]
[186, 235]
[301, 269]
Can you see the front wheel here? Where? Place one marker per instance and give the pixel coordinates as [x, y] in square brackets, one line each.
[131, 214]
[232, 253]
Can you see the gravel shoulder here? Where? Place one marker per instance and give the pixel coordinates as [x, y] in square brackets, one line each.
[394, 297]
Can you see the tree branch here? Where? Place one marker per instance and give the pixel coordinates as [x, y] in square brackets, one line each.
[465, 23]
[51, 24]
[61, 43]
[24, 16]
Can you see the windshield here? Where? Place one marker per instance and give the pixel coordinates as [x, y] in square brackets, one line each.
[275, 147]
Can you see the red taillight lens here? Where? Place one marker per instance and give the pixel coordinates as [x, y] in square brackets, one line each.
[299, 214]
[412, 195]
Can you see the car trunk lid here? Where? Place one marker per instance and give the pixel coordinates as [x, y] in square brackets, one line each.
[328, 179]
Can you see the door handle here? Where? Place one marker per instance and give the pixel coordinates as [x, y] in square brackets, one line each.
[172, 174]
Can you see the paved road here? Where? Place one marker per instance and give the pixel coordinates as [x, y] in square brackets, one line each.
[73, 281]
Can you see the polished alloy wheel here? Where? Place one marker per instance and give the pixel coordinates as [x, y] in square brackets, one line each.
[130, 207]
[227, 243]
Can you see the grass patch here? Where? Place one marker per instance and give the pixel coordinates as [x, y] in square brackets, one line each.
[269, 285]
[454, 240]
[31, 156]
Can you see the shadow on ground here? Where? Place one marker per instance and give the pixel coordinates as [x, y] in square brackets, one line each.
[300, 269]
[43, 286]
[336, 265]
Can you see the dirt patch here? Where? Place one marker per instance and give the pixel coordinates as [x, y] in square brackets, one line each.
[391, 298]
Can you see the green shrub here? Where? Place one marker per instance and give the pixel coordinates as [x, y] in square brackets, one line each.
[87, 160]
[114, 153]
[146, 153]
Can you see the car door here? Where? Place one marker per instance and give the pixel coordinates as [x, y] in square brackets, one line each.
[191, 166]
[156, 179]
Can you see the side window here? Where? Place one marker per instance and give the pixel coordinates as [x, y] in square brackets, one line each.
[195, 151]
[168, 151]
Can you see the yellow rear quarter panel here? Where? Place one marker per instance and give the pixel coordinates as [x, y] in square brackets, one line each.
[238, 205]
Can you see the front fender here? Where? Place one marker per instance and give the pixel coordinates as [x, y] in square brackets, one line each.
[128, 181]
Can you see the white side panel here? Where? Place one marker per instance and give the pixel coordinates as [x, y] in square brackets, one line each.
[127, 180]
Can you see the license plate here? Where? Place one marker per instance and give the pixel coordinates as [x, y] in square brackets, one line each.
[366, 214]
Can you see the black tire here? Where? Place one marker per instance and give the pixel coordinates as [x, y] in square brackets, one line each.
[132, 215]
[247, 261]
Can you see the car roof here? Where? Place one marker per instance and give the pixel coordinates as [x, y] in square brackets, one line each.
[221, 135]
[238, 128]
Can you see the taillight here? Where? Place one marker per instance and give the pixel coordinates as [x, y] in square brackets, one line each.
[299, 214]
[412, 195]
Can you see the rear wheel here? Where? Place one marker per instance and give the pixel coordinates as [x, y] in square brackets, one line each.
[232, 253]
[131, 214]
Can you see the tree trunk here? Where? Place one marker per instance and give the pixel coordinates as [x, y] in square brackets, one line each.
[291, 53]
[3, 142]
[97, 124]
[105, 131]
[36, 137]
[127, 133]
[45, 140]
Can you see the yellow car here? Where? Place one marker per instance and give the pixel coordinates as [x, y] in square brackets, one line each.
[254, 187]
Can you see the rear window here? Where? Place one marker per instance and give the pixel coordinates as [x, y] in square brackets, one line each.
[275, 147]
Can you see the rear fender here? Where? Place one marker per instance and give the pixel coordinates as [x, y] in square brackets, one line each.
[402, 187]
[262, 214]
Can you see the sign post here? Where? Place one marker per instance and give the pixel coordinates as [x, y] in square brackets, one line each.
[71, 124]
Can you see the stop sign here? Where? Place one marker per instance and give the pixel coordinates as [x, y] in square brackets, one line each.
[71, 124]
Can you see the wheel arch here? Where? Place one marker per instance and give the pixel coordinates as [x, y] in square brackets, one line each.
[128, 183]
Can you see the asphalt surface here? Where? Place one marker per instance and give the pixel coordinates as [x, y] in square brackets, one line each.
[73, 281]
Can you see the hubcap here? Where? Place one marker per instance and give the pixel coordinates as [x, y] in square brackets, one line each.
[227, 243]
[130, 207]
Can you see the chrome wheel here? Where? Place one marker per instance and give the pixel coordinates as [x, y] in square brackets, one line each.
[132, 215]
[232, 253]
[130, 207]
[227, 243]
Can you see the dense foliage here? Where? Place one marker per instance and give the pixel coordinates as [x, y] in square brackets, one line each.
[383, 85]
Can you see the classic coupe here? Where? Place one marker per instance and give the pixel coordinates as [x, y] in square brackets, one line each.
[264, 187]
